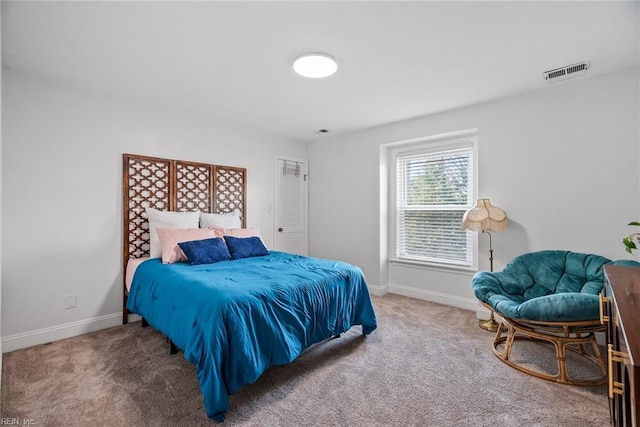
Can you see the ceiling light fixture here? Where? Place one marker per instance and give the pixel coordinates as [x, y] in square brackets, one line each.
[315, 65]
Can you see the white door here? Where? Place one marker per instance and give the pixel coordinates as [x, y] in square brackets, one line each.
[290, 206]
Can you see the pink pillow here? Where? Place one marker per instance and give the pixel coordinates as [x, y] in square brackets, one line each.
[219, 232]
[236, 232]
[170, 237]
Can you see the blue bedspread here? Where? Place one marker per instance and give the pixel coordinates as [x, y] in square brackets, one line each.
[234, 319]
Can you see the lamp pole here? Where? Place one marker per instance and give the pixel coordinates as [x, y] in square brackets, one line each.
[490, 250]
[490, 324]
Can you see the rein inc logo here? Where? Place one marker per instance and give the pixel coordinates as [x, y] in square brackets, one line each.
[5, 421]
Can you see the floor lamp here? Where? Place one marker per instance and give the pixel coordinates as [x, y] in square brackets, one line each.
[485, 217]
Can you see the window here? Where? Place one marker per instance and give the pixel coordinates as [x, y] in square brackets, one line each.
[434, 186]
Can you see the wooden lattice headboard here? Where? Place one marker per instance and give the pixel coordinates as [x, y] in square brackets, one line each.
[173, 185]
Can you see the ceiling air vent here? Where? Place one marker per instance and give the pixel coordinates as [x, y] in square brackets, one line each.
[568, 72]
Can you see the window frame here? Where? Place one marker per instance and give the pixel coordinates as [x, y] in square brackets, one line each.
[432, 145]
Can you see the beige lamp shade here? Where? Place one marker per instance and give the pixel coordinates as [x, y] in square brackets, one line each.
[484, 216]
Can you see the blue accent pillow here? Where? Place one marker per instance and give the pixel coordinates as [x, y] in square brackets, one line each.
[205, 251]
[245, 247]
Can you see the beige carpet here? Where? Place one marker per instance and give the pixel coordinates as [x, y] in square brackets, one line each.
[425, 365]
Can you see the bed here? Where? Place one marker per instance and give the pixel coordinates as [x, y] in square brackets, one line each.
[235, 318]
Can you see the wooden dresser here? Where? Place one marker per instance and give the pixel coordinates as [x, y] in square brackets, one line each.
[620, 312]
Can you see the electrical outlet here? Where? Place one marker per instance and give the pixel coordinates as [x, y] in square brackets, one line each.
[70, 301]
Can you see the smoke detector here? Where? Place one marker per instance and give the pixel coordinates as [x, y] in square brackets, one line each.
[568, 72]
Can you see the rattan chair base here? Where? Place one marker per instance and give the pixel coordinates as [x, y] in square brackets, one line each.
[572, 336]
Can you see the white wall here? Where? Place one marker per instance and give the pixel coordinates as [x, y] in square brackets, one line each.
[562, 162]
[62, 201]
[0, 210]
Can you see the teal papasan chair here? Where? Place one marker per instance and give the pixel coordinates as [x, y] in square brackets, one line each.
[550, 296]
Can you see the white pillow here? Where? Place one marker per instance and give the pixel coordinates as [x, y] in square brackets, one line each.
[167, 219]
[227, 220]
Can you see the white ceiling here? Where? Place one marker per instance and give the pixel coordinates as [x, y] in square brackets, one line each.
[231, 62]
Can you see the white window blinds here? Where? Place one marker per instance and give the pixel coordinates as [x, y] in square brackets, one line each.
[434, 189]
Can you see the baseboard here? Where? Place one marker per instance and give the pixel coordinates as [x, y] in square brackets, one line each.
[132, 317]
[482, 312]
[438, 297]
[378, 290]
[68, 330]
[59, 332]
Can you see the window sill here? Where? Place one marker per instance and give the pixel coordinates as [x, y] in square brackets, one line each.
[467, 271]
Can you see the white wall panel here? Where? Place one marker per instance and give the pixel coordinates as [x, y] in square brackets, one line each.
[62, 201]
[562, 163]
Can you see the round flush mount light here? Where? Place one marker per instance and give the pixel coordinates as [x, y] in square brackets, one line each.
[315, 65]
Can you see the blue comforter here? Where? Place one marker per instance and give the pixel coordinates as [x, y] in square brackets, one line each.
[234, 319]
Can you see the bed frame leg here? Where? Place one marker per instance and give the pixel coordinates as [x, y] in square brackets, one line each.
[173, 349]
[144, 323]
